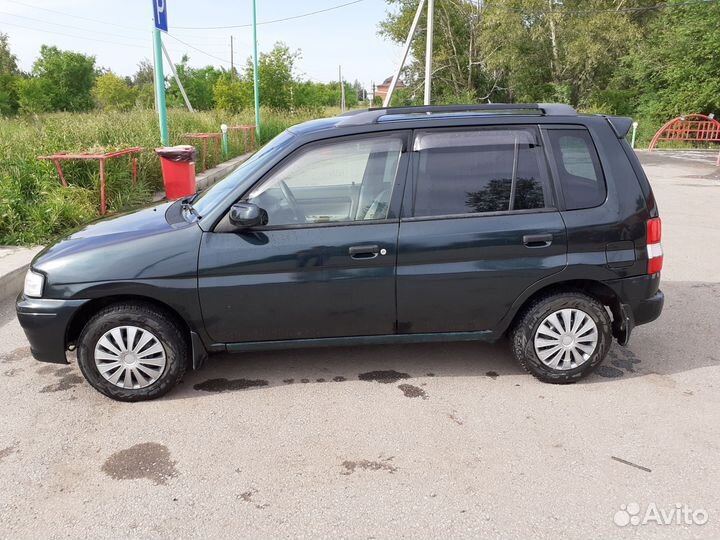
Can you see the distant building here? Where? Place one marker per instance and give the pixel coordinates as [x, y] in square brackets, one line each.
[381, 90]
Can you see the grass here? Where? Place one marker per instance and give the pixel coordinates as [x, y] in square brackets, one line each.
[35, 208]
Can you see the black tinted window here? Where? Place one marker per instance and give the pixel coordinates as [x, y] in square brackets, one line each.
[579, 168]
[487, 170]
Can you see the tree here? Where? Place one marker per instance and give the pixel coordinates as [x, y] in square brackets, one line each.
[145, 73]
[114, 93]
[9, 75]
[61, 81]
[233, 94]
[520, 50]
[275, 73]
[457, 70]
[675, 70]
[198, 83]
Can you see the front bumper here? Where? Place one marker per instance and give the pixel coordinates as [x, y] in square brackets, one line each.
[45, 322]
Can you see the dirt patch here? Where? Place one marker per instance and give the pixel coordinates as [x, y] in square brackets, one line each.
[229, 385]
[412, 391]
[5, 452]
[608, 372]
[367, 465]
[247, 496]
[150, 461]
[15, 355]
[386, 377]
[12, 372]
[68, 380]
[47, 369]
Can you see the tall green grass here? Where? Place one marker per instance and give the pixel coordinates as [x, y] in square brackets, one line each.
[35, 208]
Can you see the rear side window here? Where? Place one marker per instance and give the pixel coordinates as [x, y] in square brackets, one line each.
[578, 165]
[479, 171]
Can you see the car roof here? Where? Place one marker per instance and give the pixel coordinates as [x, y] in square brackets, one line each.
[385, 115]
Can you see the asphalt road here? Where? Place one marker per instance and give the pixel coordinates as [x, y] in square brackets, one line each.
[440, 441]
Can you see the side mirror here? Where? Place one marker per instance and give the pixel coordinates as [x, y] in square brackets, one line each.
[244, 215]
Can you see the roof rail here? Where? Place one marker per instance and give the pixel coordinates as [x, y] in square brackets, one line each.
[372, 116]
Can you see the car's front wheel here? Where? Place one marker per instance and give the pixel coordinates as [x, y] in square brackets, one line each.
[562, 337]
[132, 352]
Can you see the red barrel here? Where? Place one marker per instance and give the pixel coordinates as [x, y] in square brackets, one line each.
[178, 169]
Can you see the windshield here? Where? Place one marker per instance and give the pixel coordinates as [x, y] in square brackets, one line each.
[207, 200]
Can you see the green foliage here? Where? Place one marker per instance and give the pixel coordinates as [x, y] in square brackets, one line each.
[114, 93]
[8, 78]
[35, 95]
[198, 83]
[61, 81]
[233, 94]
[676, 69]
[275, 73]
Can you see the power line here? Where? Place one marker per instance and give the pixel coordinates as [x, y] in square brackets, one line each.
[75, 36]
[61, 24]
[223, 60]
[18, 2]
[272, 21]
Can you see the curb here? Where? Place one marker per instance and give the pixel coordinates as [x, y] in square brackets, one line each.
[14, 262]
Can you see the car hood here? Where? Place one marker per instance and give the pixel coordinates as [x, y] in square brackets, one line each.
[140, 244]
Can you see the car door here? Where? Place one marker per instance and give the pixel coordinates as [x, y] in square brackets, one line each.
[324, 266]
[479, 226]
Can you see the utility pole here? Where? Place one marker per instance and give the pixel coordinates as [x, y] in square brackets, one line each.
[232, 59]
[342, 90]
[177, 79]
[160, 88]
[256, 77]
[408, 42]
[429, 52]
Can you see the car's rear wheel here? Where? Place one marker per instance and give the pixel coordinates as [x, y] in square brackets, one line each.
[562, 337]
[132, 352]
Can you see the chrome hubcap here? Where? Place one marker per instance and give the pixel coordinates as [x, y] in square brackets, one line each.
[130, 357]
[566, 339]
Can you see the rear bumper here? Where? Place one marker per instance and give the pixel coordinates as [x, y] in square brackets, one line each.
[641, 302]
[45, 322]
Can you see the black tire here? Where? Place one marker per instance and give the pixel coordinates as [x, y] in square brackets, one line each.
[522, 336]
[149, 318]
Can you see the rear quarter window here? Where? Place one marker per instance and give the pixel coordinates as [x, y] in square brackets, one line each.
[578, 165]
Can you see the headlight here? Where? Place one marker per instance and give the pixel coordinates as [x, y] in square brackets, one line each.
[34, 284]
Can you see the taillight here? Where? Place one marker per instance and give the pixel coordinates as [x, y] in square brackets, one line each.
[654, 247]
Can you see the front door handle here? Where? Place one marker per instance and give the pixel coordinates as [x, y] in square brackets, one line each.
[537, 240]
[364, 252]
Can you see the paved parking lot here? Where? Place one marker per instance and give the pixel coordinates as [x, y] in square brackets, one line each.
[421, 441]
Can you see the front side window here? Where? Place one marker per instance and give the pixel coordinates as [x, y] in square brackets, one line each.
[579, 169]
[479, 171]
[333, 182]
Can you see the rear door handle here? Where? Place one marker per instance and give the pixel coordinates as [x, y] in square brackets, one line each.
[364, 252]
[537, 240]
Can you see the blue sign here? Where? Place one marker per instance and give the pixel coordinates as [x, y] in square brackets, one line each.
[160, 12]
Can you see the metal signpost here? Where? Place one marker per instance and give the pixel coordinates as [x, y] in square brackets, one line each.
[256, 77]
[160, 20]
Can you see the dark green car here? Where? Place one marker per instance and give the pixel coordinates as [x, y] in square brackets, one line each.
[380, 226]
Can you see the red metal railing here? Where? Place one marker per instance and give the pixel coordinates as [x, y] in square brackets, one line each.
[689, 128]
[204, 137]
[101, 157]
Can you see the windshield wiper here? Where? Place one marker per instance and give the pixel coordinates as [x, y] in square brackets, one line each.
[187, 206]
[191, 198]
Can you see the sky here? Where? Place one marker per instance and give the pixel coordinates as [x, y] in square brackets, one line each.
[118, 33]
